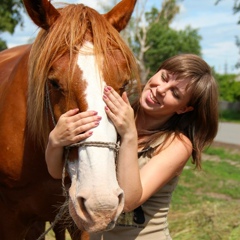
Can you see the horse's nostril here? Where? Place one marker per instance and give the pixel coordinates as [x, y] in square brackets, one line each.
[120, 203]
[121, 197]
[110, 226]
[83, 208]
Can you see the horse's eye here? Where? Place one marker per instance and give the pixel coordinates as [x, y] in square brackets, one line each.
[54, 84]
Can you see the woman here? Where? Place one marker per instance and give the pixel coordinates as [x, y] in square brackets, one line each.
[175, 118]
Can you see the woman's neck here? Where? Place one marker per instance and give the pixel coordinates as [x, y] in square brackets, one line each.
[145, 122]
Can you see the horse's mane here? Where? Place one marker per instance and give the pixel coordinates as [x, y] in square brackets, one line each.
[67, 35]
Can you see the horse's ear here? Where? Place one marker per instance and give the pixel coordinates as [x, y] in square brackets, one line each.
[42, 12]
[120, 15]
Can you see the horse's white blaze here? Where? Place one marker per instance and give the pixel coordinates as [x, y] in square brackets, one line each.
[93, 175]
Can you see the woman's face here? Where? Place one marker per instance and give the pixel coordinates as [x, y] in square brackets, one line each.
[163, 95]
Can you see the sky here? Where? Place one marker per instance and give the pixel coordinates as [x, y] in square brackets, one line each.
[216, 24]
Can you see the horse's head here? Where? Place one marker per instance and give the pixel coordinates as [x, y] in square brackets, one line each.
[78, 52]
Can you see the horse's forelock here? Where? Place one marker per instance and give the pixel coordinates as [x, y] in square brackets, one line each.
[66, 36]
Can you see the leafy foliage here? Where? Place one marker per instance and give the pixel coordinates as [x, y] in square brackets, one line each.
[152, 39]
[236, 9]
[229, 89]
[165, 42]
[10, 17]
[3, 45]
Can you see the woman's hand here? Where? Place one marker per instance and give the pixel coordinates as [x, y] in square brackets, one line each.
[119, 111]
[73, 127]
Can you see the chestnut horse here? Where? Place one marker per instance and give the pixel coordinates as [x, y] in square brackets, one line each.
[76, 53]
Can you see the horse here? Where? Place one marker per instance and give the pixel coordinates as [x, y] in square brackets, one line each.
[76, 53]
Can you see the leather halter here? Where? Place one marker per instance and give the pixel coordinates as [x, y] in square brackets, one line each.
[110, 145]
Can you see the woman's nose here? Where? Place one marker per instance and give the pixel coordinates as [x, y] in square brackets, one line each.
[161, 90]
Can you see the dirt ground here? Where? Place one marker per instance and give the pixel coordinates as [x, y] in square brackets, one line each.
[232, 148]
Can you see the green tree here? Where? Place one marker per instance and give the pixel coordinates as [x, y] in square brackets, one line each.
[144, 22]
[229, 88]
[236, 9]
[10, 17]
[236, 6]
[166, 42]
[3, 45]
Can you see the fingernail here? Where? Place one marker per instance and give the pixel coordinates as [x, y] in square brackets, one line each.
[104, 96]
[96, 123]
[106, 108]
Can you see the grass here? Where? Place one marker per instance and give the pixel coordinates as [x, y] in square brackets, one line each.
[206, 204]
[51, 235]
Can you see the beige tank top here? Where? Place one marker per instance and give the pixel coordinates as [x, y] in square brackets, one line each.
[150, 221]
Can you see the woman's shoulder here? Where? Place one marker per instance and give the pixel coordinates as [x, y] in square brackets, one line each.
[179, 141]
[174, 153]
[165, 140]
[173, 147]
[170, 145]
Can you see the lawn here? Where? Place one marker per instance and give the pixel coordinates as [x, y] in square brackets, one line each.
[206, 204]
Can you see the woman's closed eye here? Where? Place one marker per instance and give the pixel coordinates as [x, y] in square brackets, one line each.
[164, 77]
[175, 93]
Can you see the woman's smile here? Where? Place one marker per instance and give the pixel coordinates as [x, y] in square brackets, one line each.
[151, 98]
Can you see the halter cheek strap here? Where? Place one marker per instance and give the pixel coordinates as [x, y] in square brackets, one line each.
[49, 105]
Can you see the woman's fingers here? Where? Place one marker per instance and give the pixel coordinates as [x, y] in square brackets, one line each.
[73, 127]
[112, 99]
[119, 111]
[83, 118]
[74, 115]
[125, 98]
[71, 112]
[81, 136]
[86, 124]
[74, 121]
